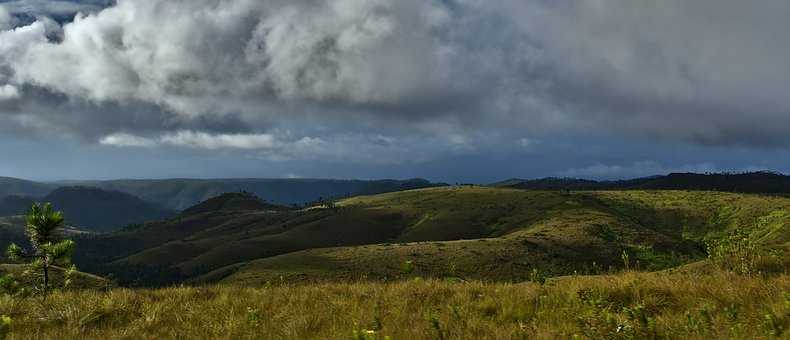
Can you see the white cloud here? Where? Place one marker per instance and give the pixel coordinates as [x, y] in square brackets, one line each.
[193, 139]
[126, 140]
[8, 92]
[15, 42]
[203, 140]
[177, 53]
[281, 146]
[527, 143]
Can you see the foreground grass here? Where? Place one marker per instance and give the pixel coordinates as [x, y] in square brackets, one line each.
[631, 305]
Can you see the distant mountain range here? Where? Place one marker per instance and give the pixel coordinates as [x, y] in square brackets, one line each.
[102, 210]
[91, 208]
[180, 194]
[102, 206]
[751, 182]
[20, 187]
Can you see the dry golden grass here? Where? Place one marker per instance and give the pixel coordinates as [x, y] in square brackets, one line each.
[675, 305]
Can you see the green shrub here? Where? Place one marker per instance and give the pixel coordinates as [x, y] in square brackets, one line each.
[407, 268]
[5, 326]
[626, 260]
[774, 324]
[253, 316]
[536, 276]
[604, 232]
[604, 318]
[44, 227]
[9, 285]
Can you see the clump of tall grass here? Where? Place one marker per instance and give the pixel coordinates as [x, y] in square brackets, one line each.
[634, 305]
[740, 253]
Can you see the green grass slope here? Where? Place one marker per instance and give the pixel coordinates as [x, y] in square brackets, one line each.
[471, 232]
[504, 234]
[211, 240]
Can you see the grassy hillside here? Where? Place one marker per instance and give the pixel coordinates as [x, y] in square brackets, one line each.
[471, 232]
[698, 215]
[515, 232]
[678, 305]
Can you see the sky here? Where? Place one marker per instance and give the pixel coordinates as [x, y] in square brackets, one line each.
[449, 90]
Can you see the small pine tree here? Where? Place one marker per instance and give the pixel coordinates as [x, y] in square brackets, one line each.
[44, 228]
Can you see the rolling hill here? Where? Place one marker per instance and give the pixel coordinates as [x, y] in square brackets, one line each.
[180, 194]
[104, 206]
[471, 232]
[90, 209]
[102, 211]
[19, 187]
[556, 233]
[15, 205]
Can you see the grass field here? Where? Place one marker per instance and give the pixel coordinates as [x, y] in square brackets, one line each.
[676, 305]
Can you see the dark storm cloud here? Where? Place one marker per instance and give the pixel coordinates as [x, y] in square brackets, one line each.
[706, 72]
[27, 11]
[297, 78]
[40, 111]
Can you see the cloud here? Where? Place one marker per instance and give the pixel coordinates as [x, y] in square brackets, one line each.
[214, 74]
[526, 143]
[50, 8]
[282, 146]
[204, 140]
[8, 92]
[192, 139]
[344, 52]
[708, 72]
[126, 140]
[14, 42]
[6, 20]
